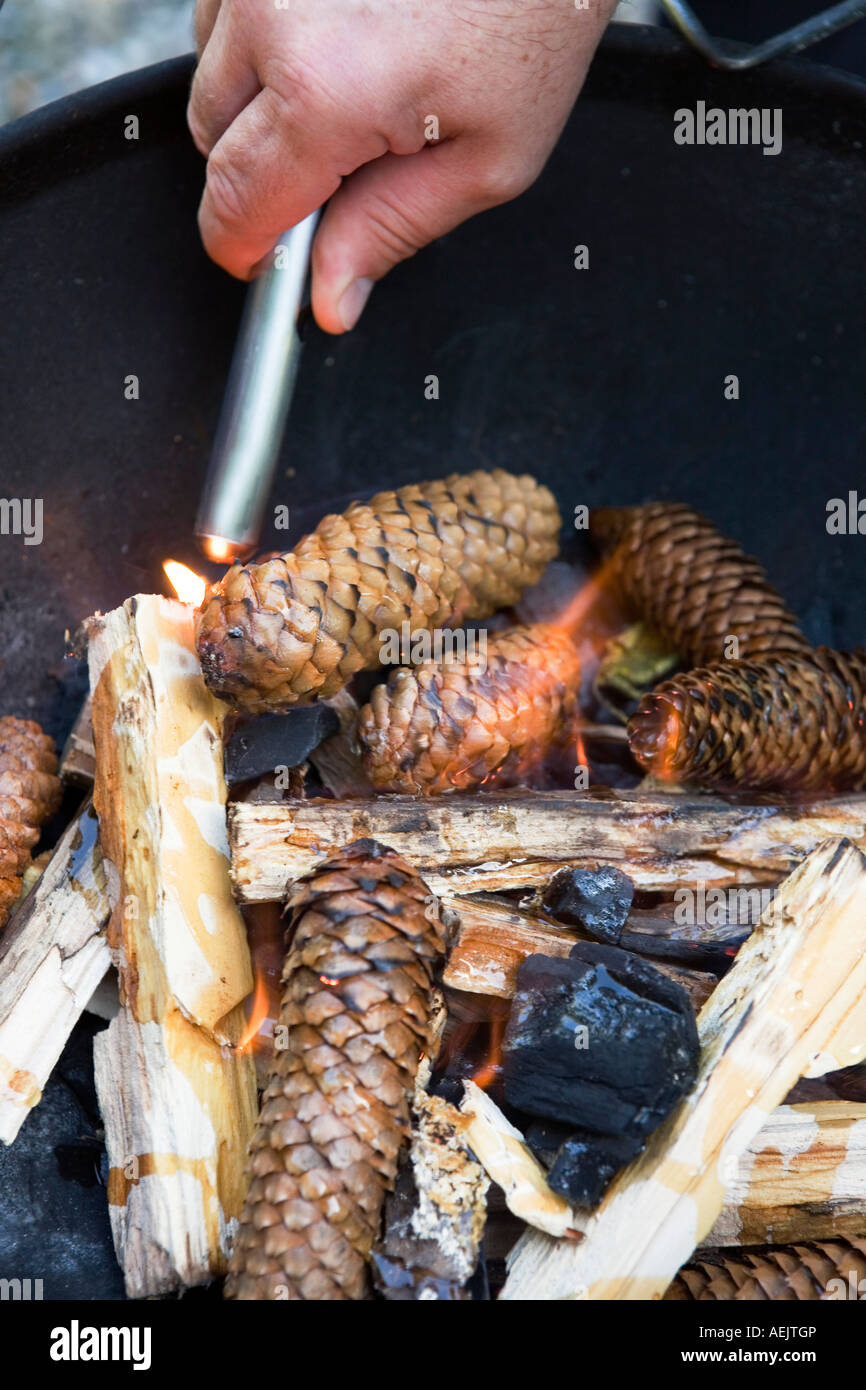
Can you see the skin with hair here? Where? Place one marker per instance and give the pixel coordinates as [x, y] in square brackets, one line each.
[409, 117]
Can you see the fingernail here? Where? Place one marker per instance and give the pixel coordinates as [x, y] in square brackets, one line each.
[352, 301]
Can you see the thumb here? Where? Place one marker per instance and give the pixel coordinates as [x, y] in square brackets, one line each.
[385, 212]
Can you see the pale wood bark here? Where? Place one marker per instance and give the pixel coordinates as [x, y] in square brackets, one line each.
[794, 1001]
[488, 842]
[178, 1099]
[802, 1178]
[53, 954]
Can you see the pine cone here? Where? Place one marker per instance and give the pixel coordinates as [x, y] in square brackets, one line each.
[456, 724]
[365, 941]
[671, 567]
[781, 723]
[29, 794]
[298, 626]
[783, 1272]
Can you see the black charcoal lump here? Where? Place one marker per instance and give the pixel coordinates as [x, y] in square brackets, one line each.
[586, 1164]
[545, 1138]
[262, 745]
[598, 900]
[600, 1041]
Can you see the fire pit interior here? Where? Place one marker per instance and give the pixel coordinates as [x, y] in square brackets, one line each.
[573, 908]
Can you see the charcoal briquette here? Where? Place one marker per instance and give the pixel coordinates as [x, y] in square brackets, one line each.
[586, 1164]
[601, 1041]
[259, 746]
[598, 900]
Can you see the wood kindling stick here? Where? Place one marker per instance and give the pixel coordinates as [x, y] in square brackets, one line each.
[491, 842]
[53, 954]
[794, 1003]
[177, 1097]
[510, 1162]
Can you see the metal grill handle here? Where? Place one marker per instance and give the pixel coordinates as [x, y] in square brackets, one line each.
[734, 56]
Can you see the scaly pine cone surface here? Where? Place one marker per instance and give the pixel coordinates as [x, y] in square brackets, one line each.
[358, 980]
[671, 567]
[782, 723]
[452, 724]
[29, 794]
[297, 627]
[786, 1272]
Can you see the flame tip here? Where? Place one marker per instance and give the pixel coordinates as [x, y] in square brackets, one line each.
[189, 586]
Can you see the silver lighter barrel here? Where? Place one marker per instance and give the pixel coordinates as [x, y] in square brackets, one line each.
[258, 396]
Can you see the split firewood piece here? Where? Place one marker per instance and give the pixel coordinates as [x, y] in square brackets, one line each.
[53, 954]
[829, 1270]
[493, 939]
[493, 842]
[177, 1098]
[802, 1178]
[510, 1162]
[78, 759]
[794, 1000]
[359, 1010]
[296, 627]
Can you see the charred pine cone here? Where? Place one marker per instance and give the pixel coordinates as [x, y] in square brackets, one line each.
[786, 722]
[365, 941]
[671, 567]
[455, 724]
[823, 1270]
[298, 626]
[29, 794]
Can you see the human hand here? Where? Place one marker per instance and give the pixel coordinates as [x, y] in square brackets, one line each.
[409, 116]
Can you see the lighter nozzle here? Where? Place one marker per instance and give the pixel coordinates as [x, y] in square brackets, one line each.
[258, 393]
[221, 551]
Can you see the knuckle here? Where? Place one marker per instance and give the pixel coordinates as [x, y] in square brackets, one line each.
[505, 179]
[399, 232]
[298, 86]
[197, 125]
[226, 185]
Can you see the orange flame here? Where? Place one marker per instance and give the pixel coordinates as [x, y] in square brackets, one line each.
[258, 1013]
[189, 586]
[487, 1074]
[665, 767]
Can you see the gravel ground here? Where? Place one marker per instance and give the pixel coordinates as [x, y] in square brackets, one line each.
[51, 47]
